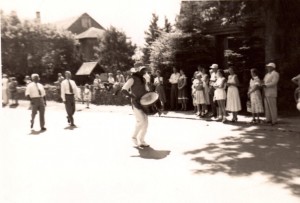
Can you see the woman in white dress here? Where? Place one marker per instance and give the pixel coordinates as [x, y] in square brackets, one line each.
[233, 103]
[254, 93]
[220, 95]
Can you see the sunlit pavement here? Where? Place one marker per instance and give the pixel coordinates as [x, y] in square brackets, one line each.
[190, 160]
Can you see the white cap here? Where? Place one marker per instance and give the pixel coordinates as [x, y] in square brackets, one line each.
[214, 66]
[34, 75]
[271, 65]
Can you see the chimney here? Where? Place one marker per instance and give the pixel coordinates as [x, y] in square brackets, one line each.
[38, 17]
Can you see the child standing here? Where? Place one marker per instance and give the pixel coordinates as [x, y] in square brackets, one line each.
[199, 96]
[255, 96]
[87, 95]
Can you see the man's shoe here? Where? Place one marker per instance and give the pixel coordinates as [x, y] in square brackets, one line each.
[72, 125]
[43, 129]
[144, 145]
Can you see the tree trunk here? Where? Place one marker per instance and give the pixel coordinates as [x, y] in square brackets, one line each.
[271, 8]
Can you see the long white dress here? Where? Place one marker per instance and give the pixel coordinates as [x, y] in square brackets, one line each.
[233, 103]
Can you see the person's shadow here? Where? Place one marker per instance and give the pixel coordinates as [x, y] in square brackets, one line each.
[35, 132]
[150, 153]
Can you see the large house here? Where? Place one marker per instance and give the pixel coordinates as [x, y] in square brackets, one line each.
[87, 31]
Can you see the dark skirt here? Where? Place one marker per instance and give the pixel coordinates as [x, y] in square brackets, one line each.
[161, 92]
[182, 95]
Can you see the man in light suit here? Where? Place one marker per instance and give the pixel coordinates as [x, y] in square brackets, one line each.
[270, 93]
[35, 92]
[68, 94]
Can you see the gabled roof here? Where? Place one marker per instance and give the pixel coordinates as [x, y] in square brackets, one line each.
[68, 22]
[86, 68]
[92, 32]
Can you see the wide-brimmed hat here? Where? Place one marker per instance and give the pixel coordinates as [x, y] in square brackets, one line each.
[271, 65]
[141, 68]
[214, 66]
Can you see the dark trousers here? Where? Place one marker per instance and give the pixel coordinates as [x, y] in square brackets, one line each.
[174, 96]
[38, 105]
[212, 103]
[70, 107]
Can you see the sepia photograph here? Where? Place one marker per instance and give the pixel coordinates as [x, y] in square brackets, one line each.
[148, 101]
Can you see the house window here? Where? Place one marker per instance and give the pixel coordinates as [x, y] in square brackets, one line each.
[86, 22]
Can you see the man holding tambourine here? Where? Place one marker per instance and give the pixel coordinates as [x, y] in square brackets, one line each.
[135, 88]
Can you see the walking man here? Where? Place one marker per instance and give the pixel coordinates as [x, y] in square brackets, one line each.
[35, 92]
[68, 94]
[135, 88]
[270, 93]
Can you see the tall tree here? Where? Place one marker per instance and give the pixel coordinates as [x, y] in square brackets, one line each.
[167, 27]
[115, 51]
[151, 35]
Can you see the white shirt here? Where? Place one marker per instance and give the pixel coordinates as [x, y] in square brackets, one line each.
[65, 89]
[147, 77]
[174, 78]
[158, 80]
[111, 80]
[213, 77]
[32, 90]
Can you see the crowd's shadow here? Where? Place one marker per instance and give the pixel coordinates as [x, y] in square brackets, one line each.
[274, 151]
[70, 127]
[36, 132]
[150, 153]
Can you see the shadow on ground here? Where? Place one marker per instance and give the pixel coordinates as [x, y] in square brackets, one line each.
[271, 150]
[34, 132]
[150, 153]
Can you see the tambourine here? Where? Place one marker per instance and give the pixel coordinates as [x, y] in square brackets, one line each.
[150, 103]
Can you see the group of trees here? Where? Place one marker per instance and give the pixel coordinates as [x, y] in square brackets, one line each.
[28, 47]
[269, 32]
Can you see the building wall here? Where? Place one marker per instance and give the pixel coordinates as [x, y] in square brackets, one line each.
[87, 48]
[83, 23]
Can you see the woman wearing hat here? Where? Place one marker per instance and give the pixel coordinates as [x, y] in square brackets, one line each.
[135, 88]
[270, 92]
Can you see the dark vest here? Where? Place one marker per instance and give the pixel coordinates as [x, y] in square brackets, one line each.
[138, 89]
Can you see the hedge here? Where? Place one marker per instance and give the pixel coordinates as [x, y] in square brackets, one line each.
[102, 97]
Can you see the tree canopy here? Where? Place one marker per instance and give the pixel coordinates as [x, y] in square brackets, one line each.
[115, 51]
[29, 47]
